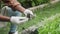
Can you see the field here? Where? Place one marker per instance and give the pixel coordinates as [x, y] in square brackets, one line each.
[40, 15]
[52, 25]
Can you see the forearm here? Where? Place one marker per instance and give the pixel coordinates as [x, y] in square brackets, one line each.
[20, 8]
[17, 6]
[4, 18]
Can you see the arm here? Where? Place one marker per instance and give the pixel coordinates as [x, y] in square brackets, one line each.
[4, 18]
[14, 4]
[14, 19]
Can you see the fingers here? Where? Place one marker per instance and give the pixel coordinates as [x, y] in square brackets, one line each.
[23, 20]
[18, 20]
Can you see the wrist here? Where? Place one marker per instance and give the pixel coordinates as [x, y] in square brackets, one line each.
[26, 10]
[12, 19]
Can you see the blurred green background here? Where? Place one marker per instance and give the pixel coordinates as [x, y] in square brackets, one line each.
[40, 15]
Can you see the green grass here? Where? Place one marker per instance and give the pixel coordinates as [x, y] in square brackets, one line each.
[40, 15]
[51, 26]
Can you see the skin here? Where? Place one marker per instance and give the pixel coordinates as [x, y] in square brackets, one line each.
[15, 5]
[4, 18]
